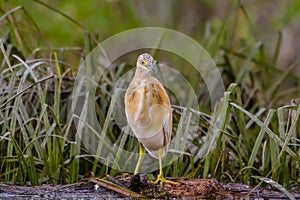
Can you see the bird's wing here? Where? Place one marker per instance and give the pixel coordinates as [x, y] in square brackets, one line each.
[163, 103]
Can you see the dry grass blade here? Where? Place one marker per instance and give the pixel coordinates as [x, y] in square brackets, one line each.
[116, 188]
[276, 185]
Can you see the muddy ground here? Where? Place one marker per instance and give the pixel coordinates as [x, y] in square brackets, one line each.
[128, 187]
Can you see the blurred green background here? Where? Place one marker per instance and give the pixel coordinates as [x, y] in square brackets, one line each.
[261, 21]
[108, 17]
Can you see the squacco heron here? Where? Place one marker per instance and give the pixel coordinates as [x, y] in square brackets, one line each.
[149, 113]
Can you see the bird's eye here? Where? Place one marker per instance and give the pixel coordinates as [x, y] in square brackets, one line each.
[143, 62]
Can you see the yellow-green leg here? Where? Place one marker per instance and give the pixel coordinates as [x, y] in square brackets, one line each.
[160, 177]
[141, 153]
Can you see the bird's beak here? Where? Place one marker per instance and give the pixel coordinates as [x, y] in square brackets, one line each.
[152, 66]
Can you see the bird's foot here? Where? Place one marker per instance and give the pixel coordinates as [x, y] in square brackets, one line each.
[161, 179]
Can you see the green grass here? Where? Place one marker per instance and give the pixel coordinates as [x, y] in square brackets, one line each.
[251, 137]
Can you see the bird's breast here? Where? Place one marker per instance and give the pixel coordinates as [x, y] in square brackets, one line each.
[147, 108]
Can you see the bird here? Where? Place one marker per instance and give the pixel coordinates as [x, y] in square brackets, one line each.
[149, 113]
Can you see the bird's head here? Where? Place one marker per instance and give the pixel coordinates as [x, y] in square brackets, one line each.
[146, 62]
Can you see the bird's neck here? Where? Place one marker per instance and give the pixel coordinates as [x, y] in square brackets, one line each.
[141, 73]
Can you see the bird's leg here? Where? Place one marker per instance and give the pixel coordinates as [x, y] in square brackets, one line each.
[141, 154]
[160, 176]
